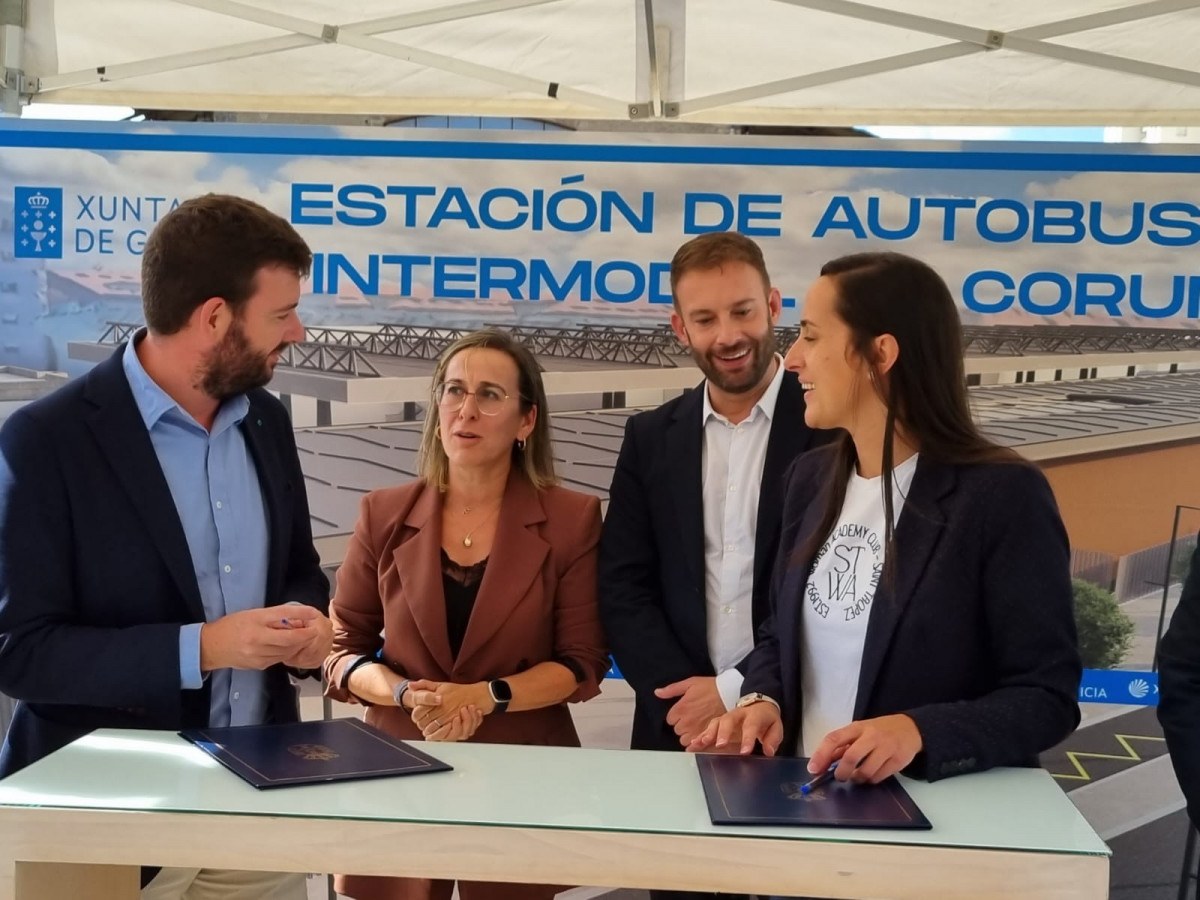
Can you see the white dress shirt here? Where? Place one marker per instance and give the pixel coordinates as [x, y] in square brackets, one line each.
[732, 462]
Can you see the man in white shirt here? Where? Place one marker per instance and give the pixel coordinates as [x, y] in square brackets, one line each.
[693, 525]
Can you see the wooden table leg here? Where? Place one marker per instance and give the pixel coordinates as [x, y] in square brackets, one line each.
[55, 881]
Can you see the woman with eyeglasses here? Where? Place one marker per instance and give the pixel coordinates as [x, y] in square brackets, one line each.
[466, 604]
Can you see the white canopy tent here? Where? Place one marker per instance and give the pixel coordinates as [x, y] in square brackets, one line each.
[776, 62]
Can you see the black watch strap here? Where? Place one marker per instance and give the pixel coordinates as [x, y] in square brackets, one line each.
[501, 694]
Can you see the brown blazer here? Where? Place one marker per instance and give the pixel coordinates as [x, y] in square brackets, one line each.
[537, 602]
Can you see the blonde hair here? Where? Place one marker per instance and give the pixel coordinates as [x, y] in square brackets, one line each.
[536, 460]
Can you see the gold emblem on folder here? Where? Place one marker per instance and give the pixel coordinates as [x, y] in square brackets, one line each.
[315, 752]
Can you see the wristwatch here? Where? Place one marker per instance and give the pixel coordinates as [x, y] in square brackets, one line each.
[757, 697]
[501, 694]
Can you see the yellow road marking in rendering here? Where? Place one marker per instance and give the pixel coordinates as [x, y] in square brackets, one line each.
[1131, 755]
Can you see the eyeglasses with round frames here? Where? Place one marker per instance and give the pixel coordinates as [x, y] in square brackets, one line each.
[489, 399]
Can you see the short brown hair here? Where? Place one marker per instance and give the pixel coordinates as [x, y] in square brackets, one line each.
[213, 246]
[713, 250]
[536, 461]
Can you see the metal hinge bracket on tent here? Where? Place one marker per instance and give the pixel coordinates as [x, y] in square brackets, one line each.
[17, 88]
[641, 110]
[16, 80]
[994, 40]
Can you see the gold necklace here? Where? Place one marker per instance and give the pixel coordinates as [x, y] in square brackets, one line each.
[467, 542]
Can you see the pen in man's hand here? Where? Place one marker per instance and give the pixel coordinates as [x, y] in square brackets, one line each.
[811, 786]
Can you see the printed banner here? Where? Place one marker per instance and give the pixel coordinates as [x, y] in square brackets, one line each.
[463, 229]
[1118, 686]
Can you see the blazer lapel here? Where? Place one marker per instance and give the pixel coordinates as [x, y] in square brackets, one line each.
[789, 610]
[419, 562]
[684, 446]
[518, 553]
[121, 434]
[788, 439]
[917, 533]
[274, 490]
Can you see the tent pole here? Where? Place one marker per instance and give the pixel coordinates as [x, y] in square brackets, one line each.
[12, 39]
[648, 36]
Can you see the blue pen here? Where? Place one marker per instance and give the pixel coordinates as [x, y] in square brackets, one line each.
[819, 780]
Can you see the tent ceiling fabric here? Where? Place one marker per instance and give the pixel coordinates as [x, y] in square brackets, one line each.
[802, 62]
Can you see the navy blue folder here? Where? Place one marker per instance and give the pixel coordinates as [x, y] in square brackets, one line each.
[270, 756]
[762, 790]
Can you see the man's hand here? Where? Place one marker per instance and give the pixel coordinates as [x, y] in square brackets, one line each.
[259, 638]
[698, 704]
[869, 750]
[320, 642]
[740, 728]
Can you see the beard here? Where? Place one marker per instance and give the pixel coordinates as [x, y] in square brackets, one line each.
[762, 352]
[233, 367]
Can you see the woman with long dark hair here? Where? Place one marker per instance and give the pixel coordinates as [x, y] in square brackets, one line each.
[921, 606]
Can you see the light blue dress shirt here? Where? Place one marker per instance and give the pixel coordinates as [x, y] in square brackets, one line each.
[214, 484]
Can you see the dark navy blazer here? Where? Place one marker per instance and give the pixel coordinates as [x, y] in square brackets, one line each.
[1179, 688]
[975, 638]
[95, 573]
[651, 571]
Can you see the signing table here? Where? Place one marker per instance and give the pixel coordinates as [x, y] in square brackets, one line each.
[78, 823]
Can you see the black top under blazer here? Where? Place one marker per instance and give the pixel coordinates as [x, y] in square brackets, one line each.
[975, 639]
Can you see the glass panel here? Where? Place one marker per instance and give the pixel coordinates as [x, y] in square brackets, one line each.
[538, 787]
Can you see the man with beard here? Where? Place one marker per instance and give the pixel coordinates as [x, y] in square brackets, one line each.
[692, 525]
[156, 560]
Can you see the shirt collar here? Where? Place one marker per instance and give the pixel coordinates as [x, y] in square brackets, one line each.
[765, 404]
[154, 403]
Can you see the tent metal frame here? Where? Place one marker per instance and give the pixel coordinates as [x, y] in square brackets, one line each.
[559, 99]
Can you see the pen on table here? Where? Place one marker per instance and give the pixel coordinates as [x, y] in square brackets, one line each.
[811, 786]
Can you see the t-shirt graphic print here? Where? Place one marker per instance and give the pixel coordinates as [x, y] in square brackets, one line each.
[838, 598]
[851, 562]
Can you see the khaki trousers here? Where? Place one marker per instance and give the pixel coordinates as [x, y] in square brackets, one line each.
[225, 884]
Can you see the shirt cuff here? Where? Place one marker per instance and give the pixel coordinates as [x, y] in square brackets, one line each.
[729, 686]
[190, 676]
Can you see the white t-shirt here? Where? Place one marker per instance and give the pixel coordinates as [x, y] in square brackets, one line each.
[837, 603]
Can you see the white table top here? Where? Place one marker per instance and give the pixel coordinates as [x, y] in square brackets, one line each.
[531, 787]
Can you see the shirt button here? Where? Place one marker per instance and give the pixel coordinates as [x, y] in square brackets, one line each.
[237, 695]
[729, 548]
[733, 489]
[218, 504]
[728, 610]
[738, 429]
[228, 569]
